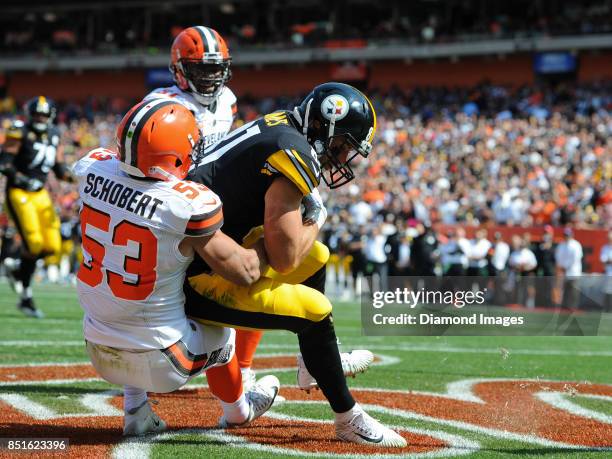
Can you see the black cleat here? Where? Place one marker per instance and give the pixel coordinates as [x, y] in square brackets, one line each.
[27, 307]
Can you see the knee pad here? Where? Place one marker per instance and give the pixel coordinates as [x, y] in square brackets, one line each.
[316, 305]
[217, 340]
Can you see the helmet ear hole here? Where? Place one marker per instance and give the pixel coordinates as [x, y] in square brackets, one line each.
[178, 163]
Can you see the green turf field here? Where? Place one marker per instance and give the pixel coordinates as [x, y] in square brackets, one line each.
[469, 393]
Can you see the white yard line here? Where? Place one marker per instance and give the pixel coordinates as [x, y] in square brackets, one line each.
[560, 400]
[133, 449]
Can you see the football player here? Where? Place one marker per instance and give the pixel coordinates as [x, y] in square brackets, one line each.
[141, 224]
[31, 150]
[200, 65]
[264, 172]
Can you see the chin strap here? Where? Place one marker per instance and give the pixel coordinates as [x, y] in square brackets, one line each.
[306, 115]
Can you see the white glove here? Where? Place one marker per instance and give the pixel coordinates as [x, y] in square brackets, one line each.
[314, 209]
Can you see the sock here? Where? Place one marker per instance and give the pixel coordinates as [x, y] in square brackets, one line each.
[225, 382]
[246, 345]
[133, 397]
[237, 412]
[322, 359]
[350, 414]
[26, 293]
[26, 271]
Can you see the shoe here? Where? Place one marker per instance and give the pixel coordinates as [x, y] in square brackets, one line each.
[260, 398]
[141, 421]
[27, 307]
[364, 429]
[248, 379]
[10, 267]
[354, 362]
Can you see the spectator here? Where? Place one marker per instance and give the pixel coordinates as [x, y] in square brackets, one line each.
[545, 254]
[568, 255]
[523, 263]
[355, 249]
[477, 257]
[568, 258]
[452, 256]
[497, 268]
[501, 253]
[424, 251]
[376, 257]
[606, 256]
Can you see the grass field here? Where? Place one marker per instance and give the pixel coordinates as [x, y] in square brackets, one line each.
[450, 396]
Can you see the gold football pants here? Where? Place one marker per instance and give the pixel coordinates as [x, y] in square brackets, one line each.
[36, 221]
[276, 301]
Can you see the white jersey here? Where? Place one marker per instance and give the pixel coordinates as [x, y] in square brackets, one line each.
[130, 283]
[214, 121]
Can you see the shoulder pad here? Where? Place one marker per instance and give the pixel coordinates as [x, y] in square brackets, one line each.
[80, 168]
[228, 96]
[15, 130]
[296, 160]
[202, 212]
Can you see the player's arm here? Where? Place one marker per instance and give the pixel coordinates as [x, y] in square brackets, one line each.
[61, 170]
[287, 240]
[8, 153]
[228, 259]
[7, 156]
[9, 150]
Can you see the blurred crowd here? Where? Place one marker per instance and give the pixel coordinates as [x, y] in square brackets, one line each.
[149, 26]
[482, 156]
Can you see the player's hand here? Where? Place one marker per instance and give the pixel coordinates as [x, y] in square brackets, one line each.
[260, 249]
[314, 209]
[255, 262]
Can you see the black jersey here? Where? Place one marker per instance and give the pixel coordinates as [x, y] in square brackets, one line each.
[241, 167]
[38, 151]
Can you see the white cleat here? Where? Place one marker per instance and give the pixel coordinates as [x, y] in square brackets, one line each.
[248, 379]
[354, 362]
[142, 421]
[364, 429]
[260, 398]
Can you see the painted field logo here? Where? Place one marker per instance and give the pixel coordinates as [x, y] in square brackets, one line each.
[543, 413]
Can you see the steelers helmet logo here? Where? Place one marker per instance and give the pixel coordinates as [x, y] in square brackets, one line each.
[334, 105]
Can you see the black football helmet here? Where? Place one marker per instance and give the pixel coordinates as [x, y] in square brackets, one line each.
[40, 112]
[339, 122]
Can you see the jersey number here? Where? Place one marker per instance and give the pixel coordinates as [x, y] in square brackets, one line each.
[45, 156]
[143, 266]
